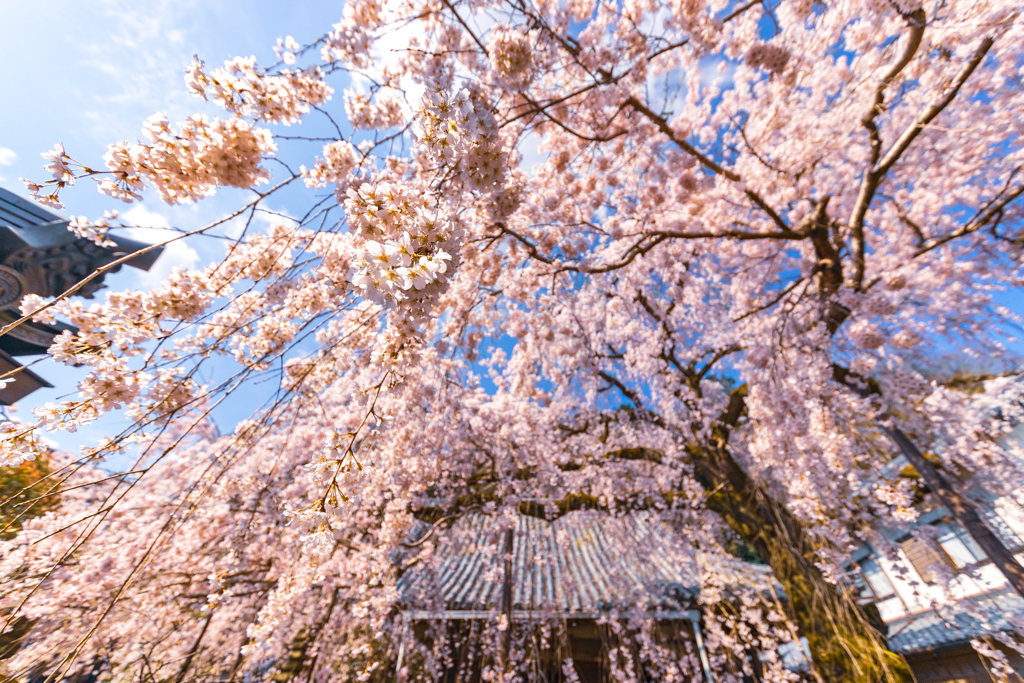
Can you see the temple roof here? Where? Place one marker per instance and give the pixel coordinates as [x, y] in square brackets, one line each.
[582, 564]
[24, 224]
[39, 255]
[954, 623]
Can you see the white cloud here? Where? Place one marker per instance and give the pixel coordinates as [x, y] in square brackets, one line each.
[717, 69]
[154, 228]
[7, 158]
[143, 56]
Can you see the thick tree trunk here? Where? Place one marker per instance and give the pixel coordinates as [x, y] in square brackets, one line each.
[298, 660]
[846, 645]
[962, 510]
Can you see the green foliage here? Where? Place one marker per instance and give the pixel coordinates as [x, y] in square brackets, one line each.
[743, 550]
[20, 487]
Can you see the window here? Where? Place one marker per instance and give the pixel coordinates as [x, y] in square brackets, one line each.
[877, 584]
[959, 545]
[924, 557]
[1007, 520]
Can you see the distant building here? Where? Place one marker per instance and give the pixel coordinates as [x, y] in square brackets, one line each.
[932, 631]
[39, 255]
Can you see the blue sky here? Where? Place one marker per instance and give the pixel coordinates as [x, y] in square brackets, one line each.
[88, 74]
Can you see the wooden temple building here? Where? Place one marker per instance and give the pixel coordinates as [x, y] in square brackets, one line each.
[588, 568]
[39, 255]
[570, 577]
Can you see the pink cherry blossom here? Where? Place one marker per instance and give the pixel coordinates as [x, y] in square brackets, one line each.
[613, 259]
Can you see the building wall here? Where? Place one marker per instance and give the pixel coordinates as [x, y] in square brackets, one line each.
[912, 593]
[956, 664]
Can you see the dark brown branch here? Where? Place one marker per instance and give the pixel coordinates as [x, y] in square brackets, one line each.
[638, 249]
[917, 20]
[719, 355]
[506, 597]
[187, 664]
[769, 304]
[538, 108]
[750, 148]
[632, 396]
[663, 126]
[704, 161]
[570, 131]
[912, 225]
[530, 246]
[931, 112]
[734, 234]
[466, 26]
[873, 178]
[993, 212]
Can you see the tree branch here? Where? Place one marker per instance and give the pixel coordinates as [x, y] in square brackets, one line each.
[873, 178]
[986, 217]
[704, 161]
[632, 396]
[466, 26]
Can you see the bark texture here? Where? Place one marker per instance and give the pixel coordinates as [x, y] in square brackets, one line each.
[845, 638]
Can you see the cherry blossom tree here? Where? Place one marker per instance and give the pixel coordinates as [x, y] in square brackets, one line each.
[751, 229]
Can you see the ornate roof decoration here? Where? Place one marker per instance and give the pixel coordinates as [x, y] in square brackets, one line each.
[39, 255]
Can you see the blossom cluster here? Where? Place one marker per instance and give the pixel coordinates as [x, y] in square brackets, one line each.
[95, 231]
[455, 127]
[20, 443]
[188, 163]
[244, 89]
[35, 191]
[511, 55]
[339, 159]
[108, 335]
[62, 173]
[350, 39]
[58, 168]
[504, 201]
[408, 242]
[364, 114]
[286, 49]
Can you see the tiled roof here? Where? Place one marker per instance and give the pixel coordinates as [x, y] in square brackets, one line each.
[953, 623]
[16, 212]
[25, 224]
[582, 563]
